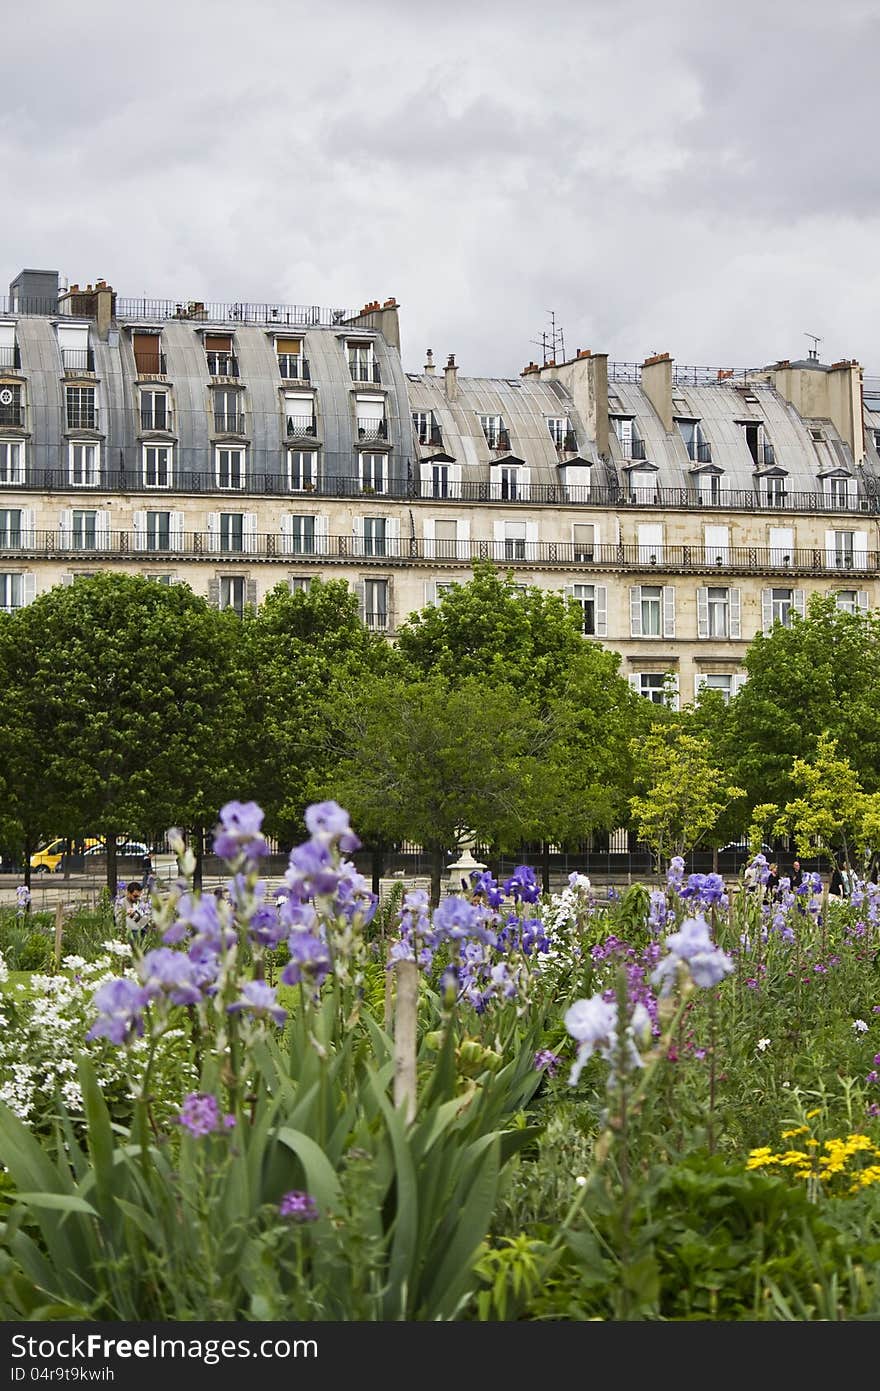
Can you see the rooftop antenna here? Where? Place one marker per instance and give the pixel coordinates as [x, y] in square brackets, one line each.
[552, 344]
[813, 353]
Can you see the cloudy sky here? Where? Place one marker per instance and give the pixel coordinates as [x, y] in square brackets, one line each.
[681, 175]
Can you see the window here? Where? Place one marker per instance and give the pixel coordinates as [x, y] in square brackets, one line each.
[837, 492]
[376, 603]
[149, 361]
[650, 543]
[425, 429]
[877, 440]
[155, 410]
[84, 530]
[76, 355]
[292, 365]
[232, 531]
[514, 540]
[158, 531]
[632, 446]
[717, 540]
[228, 413]
[709, 488]
[852, 600]
[372, 473]
[221, 358]
[361, 362]
[8, 347]
[722, 682]
[157, 466]
[299, 413]
[587, 597]
[508, 482]
[232, 593]
[445, 539]
[85, 465]
[370, 416]
[493, 428]
[299, 584]
[11, 592]
[439, 480]
[652, 685]
[11, 462]
[302, 535]
[302, 470]
[230, 468]
[561, 432]
[375, 535]
[718, 612]
[82, 413]
[10, 406]
[163, 577]
[781, 545]
[762, 452]
[652, 611]
[584, 540]
[698, 449]
[843, 550]
[10, 528]
[774, 490]
[777, 606]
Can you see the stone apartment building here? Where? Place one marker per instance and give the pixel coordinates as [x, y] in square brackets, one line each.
[236, 446]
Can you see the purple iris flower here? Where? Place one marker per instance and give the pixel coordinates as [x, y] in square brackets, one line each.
[119, 1004]
[258, 998]
[522, 884]
[309, 960]
[239, 832]
[327, 821]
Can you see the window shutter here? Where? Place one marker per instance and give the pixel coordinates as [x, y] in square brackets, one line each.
[140, 530]
[102, 531]
[860, 550]
[524, 483]
[498, 531]
[430, 591]
[66, 528]
[214, 538]
[360, 590]
[766, 610]
[249, 533]
[214, 593]
[668, 611]
[601, 611]
[636, 682]
[287, 534]
[702, 612]
[463, 538]
[428, 530]
[862, 600]
[455, 480]
[358, 529]
[531, 540]
[672, 696]
[799, 602]
[830, 558]
[735, 608]
[322, 534]
[250, 592]
[699, 683]
[175, 531]
[28, 587]
[635, 611]
[569, 591]
[739, 680]
[28, 534]
[67, 579]
[426, 478]
[392, 536]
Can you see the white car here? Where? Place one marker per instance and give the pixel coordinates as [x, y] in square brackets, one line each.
[127, 849]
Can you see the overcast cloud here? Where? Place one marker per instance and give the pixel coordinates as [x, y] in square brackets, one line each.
[690, 176]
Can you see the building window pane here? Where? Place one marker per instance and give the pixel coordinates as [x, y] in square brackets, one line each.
[232, 590]
[652, 602]
[302, 470]
[718, 610]
[10, 528]
[376, 603]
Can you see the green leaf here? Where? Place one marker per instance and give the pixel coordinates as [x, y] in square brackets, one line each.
[60, 1202]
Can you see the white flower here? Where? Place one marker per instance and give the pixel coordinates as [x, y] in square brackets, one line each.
[763, 1043]
[860, 1026]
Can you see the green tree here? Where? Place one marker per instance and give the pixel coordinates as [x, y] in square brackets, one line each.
[682, 792]
[126, 696]
[831, 807]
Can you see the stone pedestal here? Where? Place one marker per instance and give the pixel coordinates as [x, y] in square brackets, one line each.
[462, 869]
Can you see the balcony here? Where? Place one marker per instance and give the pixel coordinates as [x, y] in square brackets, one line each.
[301, 427]
[633, 448]
[10, 359]
[293, 367]
[153, 366]
[376, 619]
[222, 364]
[160, 421]
[82, 417]
[78, 360]
[370, 431]
[364, 371]
[229, 423]
[766, 456]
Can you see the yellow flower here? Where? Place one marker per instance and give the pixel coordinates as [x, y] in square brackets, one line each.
[792, 1157]
[799, 1130]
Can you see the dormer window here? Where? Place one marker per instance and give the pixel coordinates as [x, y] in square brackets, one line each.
[292, 364]
[839, 491]
[299, 414]
[361, 361]
[709, 486]
[773, 489]
[426, 428]
[643, 486]
[220, 354]
[228, 412]
[493, 428]
[760, 448]
[76, 355]
[699, 451]
[371, 423]
[561, 433]
[632, 446]
[148, 356]
[9, 359]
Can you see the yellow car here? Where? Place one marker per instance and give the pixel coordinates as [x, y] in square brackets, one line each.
[48, 858]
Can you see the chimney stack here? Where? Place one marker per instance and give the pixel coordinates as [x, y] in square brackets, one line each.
[657, 386]
[450, 372]
[429, 363]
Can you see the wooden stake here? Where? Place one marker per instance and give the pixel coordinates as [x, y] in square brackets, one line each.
[405, 1016]
[59, 927]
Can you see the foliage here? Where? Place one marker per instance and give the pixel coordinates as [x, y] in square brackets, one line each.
[827, 813]
[684, 793]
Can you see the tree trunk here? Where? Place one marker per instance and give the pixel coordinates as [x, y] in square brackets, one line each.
[199, 847]
[545, 866]
[436, 873]
[111, 862]
[28, 851]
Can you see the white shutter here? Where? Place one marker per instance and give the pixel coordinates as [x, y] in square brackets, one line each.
[454, 480]
[287, 534]
[430, 591]
[717, 541]
[175, 531]
[673, 698]
[624, 430]
[524, 483]
[668, 611]
[601, 611]
[862, 600]
[249, 532]
[428, 530]
[739, 680]
[766, 610]
[322, 534]
[360, 590]
[28, 587]
[498, 529]
[568, 591]
[426, 478]
[67, 579]
[532, 541]
[358, 534]
[735, 612]
[860, 550]
[635, 682]
[699, 683]
[798, 601]
[66, 528]
[463, 538]
[830, 551]
[781, 544]
[102, 531]
[635, 611]
[650, 543]
[392, 536]
[852, 493]
[702, 612]
[214, 531]
[140, 530]
[28, 534]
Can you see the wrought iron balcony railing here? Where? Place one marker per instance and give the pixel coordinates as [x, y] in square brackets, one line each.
[372, 429]
[230, 423]
[364, 371]
[301, 427]
[157, 420]
[9, 358]
[222, 364]
[78, 359]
